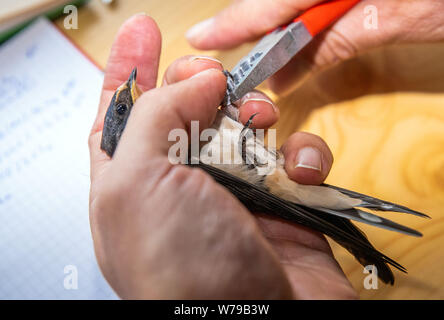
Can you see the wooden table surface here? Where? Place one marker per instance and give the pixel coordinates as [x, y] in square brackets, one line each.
[382, 114]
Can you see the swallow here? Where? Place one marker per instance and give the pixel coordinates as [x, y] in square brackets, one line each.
[256, 176]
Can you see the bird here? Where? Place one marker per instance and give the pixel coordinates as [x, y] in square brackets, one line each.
[255, 175]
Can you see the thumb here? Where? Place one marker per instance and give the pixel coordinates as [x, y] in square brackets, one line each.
[159, 111]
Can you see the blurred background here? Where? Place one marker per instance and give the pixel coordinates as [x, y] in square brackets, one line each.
[382, 114]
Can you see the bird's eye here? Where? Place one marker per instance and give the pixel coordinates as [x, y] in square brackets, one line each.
[121, 109]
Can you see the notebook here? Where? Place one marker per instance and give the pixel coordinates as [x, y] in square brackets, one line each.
[49, 94]
[13, 12]
[15, 15]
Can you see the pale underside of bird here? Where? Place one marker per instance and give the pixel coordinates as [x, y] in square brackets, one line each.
[238, 159]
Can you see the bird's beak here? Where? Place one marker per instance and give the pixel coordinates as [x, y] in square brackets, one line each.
[132, 85]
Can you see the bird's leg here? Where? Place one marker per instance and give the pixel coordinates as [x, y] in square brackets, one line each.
[248, 158]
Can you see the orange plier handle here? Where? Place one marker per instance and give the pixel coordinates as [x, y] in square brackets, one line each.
[321, 16]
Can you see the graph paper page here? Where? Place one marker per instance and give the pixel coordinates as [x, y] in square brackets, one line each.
[48, 99]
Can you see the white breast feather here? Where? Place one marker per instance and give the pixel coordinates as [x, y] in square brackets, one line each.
[223, 153]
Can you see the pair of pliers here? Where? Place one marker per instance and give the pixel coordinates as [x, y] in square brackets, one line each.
[277, 48]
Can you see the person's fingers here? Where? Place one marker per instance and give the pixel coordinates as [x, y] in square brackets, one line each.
[308, 159]
[187, 66]
[137, 44]
[358, 31]
[278, 229]
[254, 102]
[160, 111]
[350, 36]
[341, 42]
[244, 21]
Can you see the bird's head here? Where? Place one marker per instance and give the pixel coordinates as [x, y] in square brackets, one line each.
[118, 113]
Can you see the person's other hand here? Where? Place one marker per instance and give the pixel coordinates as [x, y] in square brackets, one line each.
[246, 20]
[170, 231]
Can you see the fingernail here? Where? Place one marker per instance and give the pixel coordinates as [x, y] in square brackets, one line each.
[309, 158]
[204, 72]
[141, 14]
[256, 96]
[197, 30]
[194, 58]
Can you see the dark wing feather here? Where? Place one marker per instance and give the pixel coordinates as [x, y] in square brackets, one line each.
[372, 219]
[384, 272]
[339, 229]
[377, 204]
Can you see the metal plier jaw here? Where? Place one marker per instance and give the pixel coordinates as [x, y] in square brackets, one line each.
[273, 52]
[277, 48]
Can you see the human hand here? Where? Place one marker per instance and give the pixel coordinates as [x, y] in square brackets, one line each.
[246, 20]
[165, 231]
